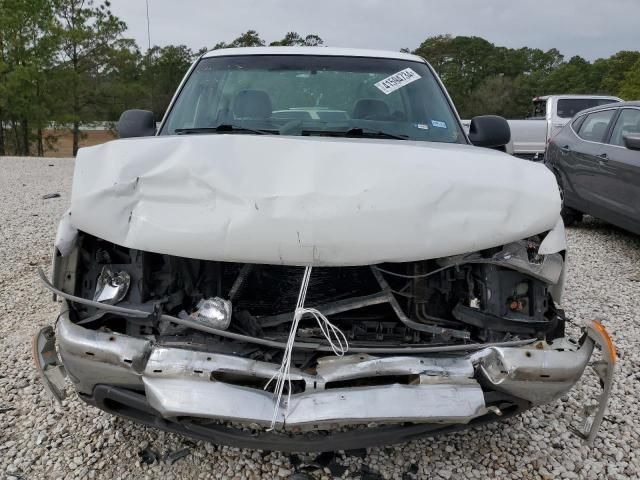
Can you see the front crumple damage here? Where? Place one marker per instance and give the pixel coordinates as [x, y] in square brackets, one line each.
[315, 201]
[180, 273]
[538, 374]
[434, 344]
[356, 389]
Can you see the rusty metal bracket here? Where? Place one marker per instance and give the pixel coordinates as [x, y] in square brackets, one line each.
[48, 364]
[605, 370]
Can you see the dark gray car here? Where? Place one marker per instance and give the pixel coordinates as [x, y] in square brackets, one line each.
[596, 159]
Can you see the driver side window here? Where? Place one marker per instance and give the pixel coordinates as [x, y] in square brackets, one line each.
[628, 122]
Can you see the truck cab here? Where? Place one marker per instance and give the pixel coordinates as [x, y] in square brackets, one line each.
[557, 110]
[549, 113]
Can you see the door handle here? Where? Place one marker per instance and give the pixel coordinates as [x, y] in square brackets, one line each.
[565, 149]
[603, 157]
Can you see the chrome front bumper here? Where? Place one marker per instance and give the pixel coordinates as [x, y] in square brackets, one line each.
[180, 383]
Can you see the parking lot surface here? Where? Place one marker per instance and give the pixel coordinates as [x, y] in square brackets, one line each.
[41, 440]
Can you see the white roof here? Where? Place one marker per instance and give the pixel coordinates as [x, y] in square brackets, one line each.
[573, 95]
[330, 51]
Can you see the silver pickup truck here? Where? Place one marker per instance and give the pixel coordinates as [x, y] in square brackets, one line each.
[529, 137]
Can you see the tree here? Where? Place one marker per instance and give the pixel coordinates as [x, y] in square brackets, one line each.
[250, 38]
[574, 76]
[27, 46]
[461, 62]
[613, 70]
[89, 36]
[630, 85]
[496, 95]
[293, 39]
[120, 86]
[164, 67]
[313, 41]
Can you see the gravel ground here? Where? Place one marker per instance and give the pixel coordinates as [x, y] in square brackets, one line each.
[39, 440]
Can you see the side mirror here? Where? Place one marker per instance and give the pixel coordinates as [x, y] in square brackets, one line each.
[489, 131]
[136, 123]
[632, 141]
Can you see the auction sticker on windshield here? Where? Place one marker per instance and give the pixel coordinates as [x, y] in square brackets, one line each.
[397, 80]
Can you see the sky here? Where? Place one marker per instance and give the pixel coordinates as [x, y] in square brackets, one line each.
[589, 28]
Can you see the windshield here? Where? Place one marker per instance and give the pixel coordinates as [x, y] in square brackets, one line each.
[314, 96]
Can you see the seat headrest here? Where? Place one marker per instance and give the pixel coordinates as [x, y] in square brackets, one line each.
[371, 109]
[598, 131]
[252, 104]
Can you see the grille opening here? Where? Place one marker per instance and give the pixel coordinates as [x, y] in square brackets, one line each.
[375, 381]
[297, 386]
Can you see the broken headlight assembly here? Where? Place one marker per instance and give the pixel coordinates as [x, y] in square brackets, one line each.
[482, 328]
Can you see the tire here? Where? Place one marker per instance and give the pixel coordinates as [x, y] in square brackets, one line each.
[570, 216]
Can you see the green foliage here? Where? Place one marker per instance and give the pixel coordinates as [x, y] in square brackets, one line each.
[630, 85]
[616, 68]
[250, 38]
[69, 62]
[90, 39]
[484, 78]
[27, 45]
[574, 76]
[163, 69]
[293, 39]
[471, 67]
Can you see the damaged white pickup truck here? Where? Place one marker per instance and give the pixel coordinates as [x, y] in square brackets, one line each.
[310, 254]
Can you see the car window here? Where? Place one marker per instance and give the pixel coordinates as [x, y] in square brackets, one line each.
[315, 95]
[596, 125]
[628, 122]
[568, 107]
[539, 109]
[577, 123]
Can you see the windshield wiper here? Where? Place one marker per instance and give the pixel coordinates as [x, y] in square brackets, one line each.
[363, 132]
[223, 128]
[372, 133]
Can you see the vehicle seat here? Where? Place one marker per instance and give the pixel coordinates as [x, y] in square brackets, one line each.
[252, 105]
[598, 131]
[371, 109]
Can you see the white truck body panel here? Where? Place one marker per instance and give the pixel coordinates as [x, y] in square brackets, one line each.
[308, 200]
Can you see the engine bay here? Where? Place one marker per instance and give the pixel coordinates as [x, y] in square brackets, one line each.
[495, 295]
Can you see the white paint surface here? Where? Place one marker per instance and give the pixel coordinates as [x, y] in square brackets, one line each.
[308, 201]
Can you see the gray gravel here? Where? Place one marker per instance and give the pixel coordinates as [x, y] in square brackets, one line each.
[39, 440]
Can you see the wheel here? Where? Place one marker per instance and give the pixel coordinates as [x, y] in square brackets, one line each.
[570, 216]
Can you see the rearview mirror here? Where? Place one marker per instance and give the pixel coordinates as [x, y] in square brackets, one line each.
[632, 141]
[136, 123]
[489, 131]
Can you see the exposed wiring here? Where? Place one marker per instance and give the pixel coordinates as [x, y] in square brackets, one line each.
[408, 295]
[337, 340]
[428, 274]
[400, 350]
[422, 275]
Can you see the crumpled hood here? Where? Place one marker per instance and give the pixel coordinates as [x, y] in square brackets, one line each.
[306, 200]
